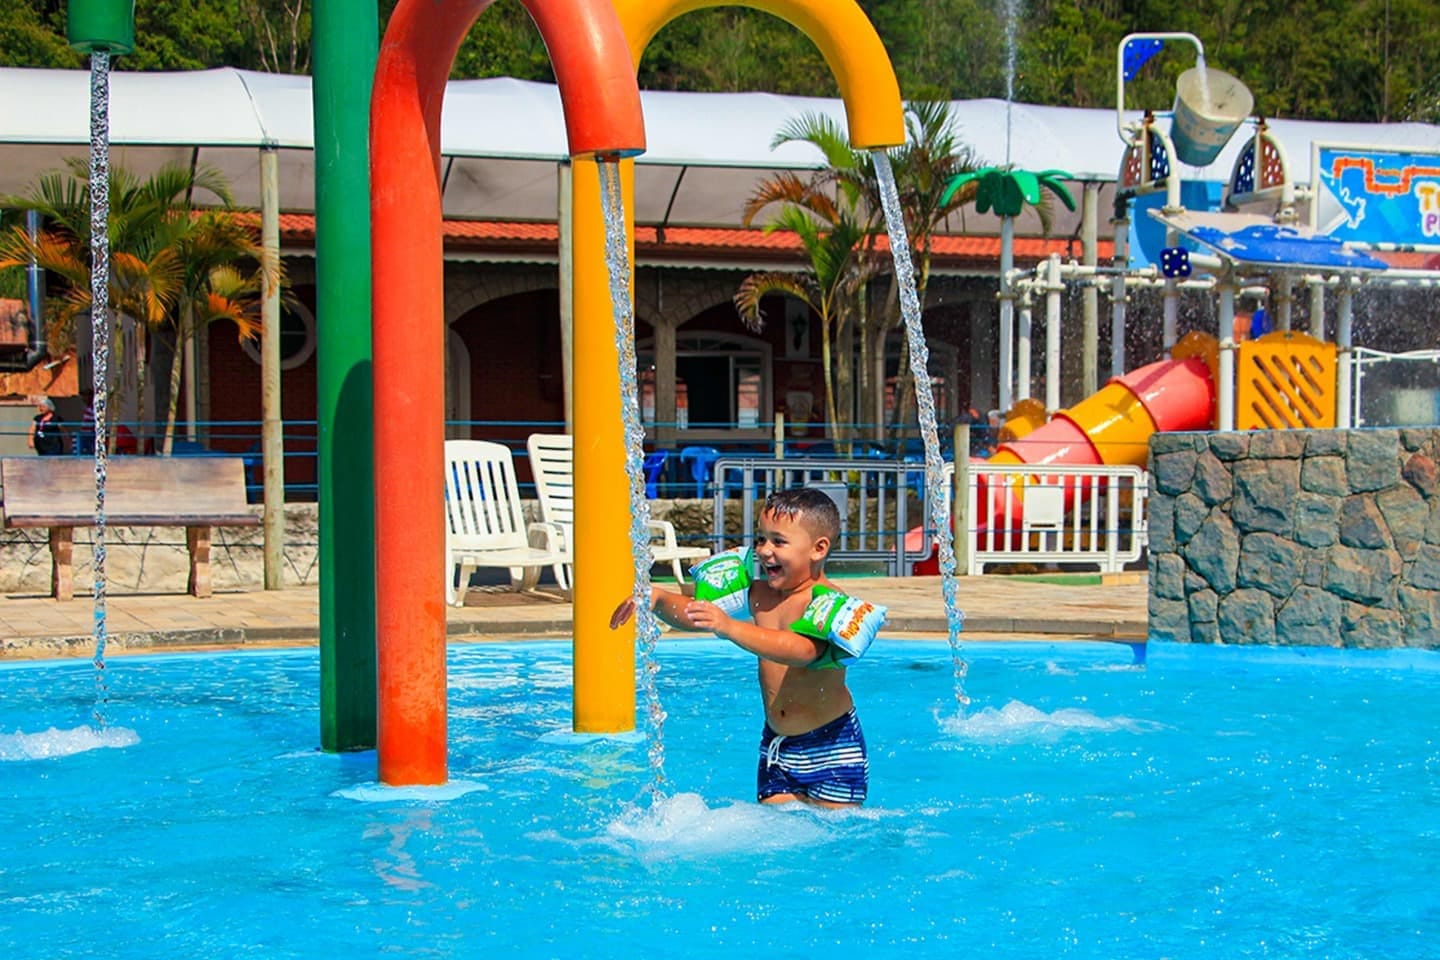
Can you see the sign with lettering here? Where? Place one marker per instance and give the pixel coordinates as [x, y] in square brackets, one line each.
[1378, 196]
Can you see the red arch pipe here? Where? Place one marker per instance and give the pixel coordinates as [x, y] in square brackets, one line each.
[602, 116]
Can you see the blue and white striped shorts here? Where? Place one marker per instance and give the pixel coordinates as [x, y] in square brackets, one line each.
[828, 763]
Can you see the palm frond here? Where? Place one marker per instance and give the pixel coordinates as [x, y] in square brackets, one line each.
[757, 286]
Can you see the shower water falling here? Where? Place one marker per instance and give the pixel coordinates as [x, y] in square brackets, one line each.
[925, 404]
[1012, 20]
[647, 628]
[100, 333]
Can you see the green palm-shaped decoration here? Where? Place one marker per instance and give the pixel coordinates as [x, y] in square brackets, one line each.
[1007, 190]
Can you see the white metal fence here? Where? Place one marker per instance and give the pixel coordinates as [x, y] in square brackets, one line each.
[1057, 515]
[870, 495]
[1394, 389]
[1054, 514]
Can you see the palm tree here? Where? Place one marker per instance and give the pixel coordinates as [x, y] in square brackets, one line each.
[832, 234]
[169, 263]
[210, 243]
[932, 155]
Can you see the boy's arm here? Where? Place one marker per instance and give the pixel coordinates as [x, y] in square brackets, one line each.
[781, 646]
[667, 604]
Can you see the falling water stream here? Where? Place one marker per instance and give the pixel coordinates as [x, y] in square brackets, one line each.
[100, 331]
[925, 404]
[647, 628]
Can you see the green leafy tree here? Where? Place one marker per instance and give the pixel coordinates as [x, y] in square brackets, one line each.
[844, 197]
[171, 266]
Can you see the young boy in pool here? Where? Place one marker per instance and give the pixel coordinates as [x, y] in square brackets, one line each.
[804, 631]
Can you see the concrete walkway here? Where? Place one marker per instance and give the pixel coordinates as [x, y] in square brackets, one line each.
[995, 607]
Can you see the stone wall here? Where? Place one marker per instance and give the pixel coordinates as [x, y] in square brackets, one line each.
[1315, 537]
[154, 559]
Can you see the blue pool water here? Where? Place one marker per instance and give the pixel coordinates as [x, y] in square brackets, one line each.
[1217, 803]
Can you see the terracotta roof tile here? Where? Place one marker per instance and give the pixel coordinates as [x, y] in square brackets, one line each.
[297, 228]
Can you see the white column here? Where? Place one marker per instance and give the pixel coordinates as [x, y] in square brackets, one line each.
[1117, 300]
[1090, 297]
[272, 433]
[1317, 308]
[1345, 308]
[564, 206]
[1053, 288]
[1007, 313]
[1225, 419]
[1022, 344]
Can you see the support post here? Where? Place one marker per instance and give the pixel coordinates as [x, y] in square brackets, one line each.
[1023, 361]
[1089, 295]
[959, 499]
[345, 46]
[604, 659]
[1053, 289]
[272, 435]
[1117, 297]
[1317, 309]
[564, 199]
[1225, 389]
[1345, 310]
[1007, 314]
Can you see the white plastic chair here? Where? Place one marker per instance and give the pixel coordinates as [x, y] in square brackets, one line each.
[552, 461]
[485, 522]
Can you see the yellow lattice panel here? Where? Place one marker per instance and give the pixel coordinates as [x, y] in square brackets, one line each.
[1284, 380]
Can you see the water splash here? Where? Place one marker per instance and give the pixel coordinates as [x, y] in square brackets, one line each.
[647, 628]
[100, 332]
[925, 405]
[1012, 26]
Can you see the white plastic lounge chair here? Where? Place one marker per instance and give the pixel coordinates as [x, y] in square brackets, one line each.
[552, 461]
[484, 522]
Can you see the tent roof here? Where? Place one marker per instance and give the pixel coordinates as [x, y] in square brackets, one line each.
[502, 138]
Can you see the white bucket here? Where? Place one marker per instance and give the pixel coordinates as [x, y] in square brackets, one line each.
[1209, 108]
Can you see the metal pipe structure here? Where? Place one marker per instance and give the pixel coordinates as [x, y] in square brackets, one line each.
[272, 429]
[1225, 416]
[1023, 359]
[1054, 287]
[1344, 311]
[1007, 314]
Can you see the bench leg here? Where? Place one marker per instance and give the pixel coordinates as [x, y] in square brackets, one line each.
[197, 540]
[62, 579]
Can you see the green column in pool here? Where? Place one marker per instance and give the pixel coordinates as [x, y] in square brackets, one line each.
[345, 43]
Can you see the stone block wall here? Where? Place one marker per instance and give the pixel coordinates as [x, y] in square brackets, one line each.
[1310, 537]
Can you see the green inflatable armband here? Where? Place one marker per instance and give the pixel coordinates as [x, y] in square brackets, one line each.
[724, 580]
[847, 623]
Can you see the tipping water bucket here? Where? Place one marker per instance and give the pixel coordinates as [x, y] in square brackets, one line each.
[1210, 105]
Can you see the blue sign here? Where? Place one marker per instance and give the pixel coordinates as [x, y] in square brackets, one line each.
[1379, 196]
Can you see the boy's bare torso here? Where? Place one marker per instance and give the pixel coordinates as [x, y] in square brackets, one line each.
[797, 699]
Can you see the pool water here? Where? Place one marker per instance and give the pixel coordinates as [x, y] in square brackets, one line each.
[1215, 803]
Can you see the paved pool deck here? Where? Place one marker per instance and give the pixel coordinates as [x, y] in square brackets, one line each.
[996, 607]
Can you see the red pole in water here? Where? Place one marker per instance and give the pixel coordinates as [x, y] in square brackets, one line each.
[602, 113]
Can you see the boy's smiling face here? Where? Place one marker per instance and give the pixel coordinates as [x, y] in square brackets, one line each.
[790, 554]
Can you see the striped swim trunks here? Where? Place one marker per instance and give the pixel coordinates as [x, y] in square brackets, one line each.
[828, 763]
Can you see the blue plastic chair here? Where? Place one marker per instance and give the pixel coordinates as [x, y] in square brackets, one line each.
[701, 461]
[654, 466]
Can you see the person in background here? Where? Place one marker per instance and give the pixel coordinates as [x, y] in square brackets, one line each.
[83, 441]
[47, 430]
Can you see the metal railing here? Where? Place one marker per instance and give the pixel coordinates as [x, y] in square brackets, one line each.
[873, 497]
[1055, 514]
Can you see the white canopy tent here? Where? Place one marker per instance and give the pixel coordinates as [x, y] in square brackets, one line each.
[501, 139]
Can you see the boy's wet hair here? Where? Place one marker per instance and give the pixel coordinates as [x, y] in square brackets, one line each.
[809, 506]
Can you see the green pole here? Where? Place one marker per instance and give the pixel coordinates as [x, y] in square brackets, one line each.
[345, 39]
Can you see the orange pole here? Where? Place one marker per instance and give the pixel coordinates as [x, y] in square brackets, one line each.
[602, 108]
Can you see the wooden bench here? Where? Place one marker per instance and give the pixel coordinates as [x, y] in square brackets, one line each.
[196, 493]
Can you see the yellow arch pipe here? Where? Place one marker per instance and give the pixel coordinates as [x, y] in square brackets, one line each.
[604, 659]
